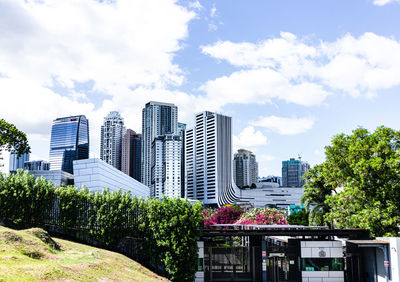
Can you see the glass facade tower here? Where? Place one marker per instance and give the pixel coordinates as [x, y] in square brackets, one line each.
[69, 142]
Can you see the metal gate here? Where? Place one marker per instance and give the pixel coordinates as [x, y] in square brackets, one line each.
[277, 269]
[227, 264]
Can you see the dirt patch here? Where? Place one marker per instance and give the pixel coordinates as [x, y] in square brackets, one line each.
[43, 236]
[11, 237]
[35, 254]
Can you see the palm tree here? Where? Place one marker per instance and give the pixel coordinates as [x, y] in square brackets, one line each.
[315, 191]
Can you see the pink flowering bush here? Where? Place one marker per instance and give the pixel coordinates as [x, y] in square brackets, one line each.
[263, 216]
[225, 215]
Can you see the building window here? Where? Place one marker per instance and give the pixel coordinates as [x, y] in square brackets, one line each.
[322, 264]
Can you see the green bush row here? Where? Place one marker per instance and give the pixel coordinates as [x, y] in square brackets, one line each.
[167, 229]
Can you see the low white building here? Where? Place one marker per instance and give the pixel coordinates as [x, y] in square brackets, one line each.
[279, 197]
[57, 177]
[97, 175]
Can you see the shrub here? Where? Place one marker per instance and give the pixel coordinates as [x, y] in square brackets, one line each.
[263, 216]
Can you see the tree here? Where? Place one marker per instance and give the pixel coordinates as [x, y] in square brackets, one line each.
[364, 168]
[11, 137]
[316, 191]
[299, 218]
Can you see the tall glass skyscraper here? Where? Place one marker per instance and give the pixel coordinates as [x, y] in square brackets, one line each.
[293, 171]
[17, 162]
[69, 142]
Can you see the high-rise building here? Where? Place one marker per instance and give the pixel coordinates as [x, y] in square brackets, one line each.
[293, 171]
[208, 160]
[17, 162]
[69, 142]
[131, 144]
[245, 168]
[271, 179]
[112, 132]
[37, 165]
[159, 119]
[181, 133]
[166, 166]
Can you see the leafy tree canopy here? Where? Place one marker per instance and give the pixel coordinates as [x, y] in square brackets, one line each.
[316, 191]
[11, 137]
[363, 171]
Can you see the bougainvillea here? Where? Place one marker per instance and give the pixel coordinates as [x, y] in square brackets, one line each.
[226, 215]
[235, 215]
[263, 216]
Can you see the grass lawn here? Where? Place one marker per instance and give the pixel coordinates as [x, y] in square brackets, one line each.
[32, 255]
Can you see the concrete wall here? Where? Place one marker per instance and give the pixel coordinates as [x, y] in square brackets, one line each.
[97, 175]
[325, 249]
[394, 260]
[57, 177]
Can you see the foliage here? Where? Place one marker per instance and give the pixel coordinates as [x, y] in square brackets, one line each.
[299, 218]
[316, 191]
[364, 169]
[11, 137]
[226, 215]
[168, 229]
[263, 216]
[24, 198]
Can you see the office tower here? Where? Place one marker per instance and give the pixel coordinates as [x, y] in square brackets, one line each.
[293, 171]
[181, 133]
[208, 160]
[37, 165]
[166, 166]
[69, 142]
[158, 119]
[271, 179]
[130, 163]
[17, 162]
[112, 132]
[245, 168]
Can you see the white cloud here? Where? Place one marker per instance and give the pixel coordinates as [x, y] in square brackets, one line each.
[213, 11]
[248, 138]
[384, 2]
[124, 48]
[265, 158]
[195, 5]
[285, 126]
[293, 70]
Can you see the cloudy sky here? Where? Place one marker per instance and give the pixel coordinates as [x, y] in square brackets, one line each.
[291, 73]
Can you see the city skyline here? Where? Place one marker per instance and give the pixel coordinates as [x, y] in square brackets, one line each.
[290, 74]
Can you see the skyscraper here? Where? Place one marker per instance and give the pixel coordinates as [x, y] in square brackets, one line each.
[69, 142]
[131, 144]
[37, 165]
[245, 168]
[293, 171]
[208, 162]
[166, 166]
[17, 162]
[112, 132]
[181, 133]
[158, 119]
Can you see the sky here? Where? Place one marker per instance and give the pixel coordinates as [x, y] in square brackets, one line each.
[291, 73]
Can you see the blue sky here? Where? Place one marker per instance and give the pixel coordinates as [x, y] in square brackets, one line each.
[292, 74]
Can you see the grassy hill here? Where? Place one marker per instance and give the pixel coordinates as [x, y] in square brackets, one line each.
[33, 255]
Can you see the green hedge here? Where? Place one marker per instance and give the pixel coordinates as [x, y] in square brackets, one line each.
[167, 229]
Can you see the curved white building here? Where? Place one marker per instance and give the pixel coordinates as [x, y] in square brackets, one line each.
[208, 160]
